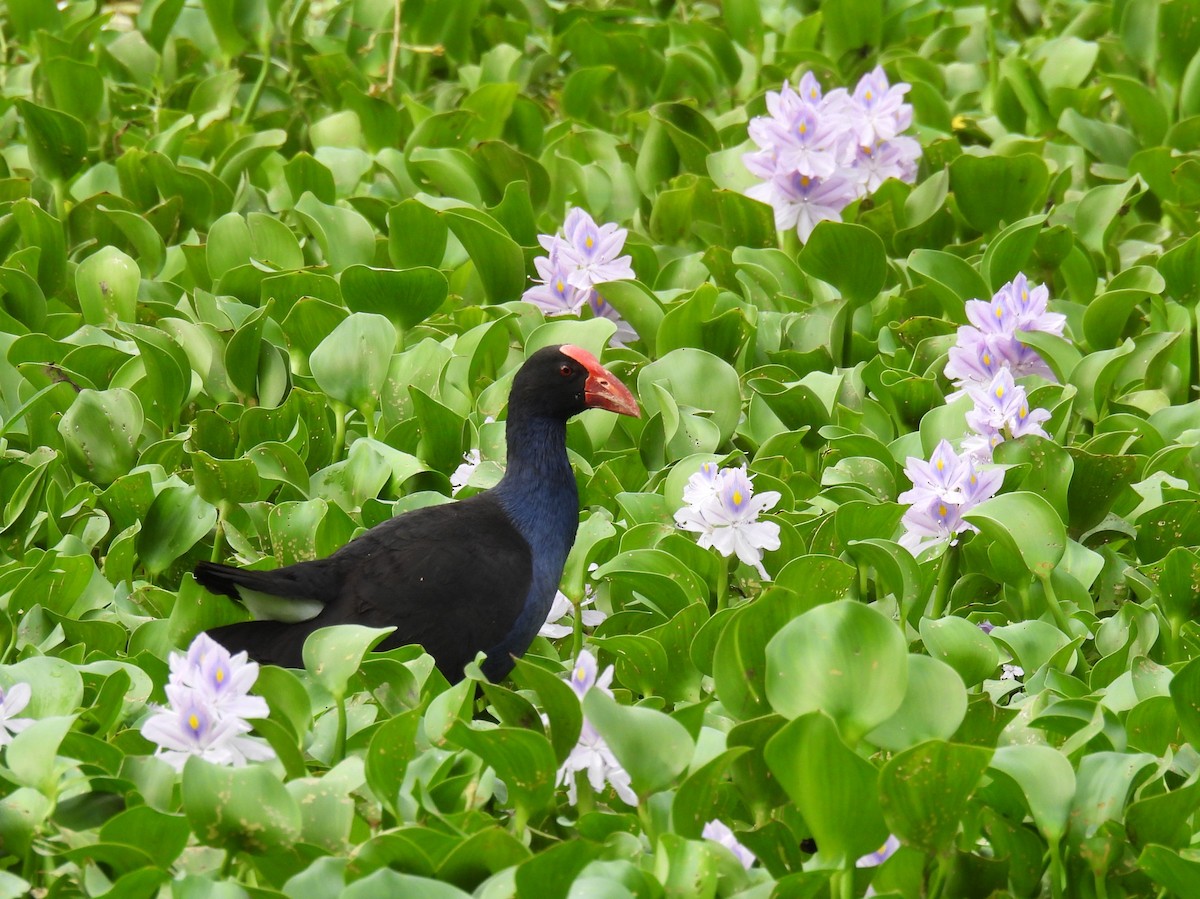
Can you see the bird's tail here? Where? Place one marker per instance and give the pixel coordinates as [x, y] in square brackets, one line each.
[225, 580]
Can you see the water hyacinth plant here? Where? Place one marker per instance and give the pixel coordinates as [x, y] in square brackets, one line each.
[818, 152]
[578, 258]
[267, 272]
[720, 506]
[209, 707]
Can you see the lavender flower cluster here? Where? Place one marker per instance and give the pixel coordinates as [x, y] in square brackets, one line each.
[944, 489]
[722, 508]
[210, 702]
[818, 153]
[583, 255]
[988, 357]
[983, 365]
[592, 754]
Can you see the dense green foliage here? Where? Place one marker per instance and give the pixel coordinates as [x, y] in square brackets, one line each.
[260, 269]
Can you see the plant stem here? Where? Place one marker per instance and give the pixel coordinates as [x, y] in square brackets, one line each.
[259, 83]
[946, 575]
[1056, 872]
[394, 52]
[227, 864]
[848, 337]
[218, 537]
[723, 584]
[577, 630]
[583, 791]
[339, 740]
[339, 431]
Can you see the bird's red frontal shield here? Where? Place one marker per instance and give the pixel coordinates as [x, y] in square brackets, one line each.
[602, 389]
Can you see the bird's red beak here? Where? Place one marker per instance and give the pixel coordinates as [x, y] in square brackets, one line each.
[602, 390]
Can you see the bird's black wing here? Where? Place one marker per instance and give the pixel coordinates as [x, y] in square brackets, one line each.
[452, 577]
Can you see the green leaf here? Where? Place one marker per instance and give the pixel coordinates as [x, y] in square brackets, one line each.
[1047, 779]
[239, 809]
[962, 646]
[177, 520]
[653, 747]
[32, 757]
[844, 659]
[498, 259]
[522, 758]
[100, 433]
[850, 257]
[107, 284]
[57, 142]
[352, 362]
[933, 708]
[842, 811]
[332, 655]
[345, 237]
[924, 792]
[990, 190]
[406, 297]
[1026, 532]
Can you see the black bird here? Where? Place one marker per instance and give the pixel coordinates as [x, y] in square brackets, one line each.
[457, 578]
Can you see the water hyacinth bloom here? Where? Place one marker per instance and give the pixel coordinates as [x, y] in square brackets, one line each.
[1011, 672]
[944, 489]
[462, 474]
[13, 701]
[718, 831]
[209, 694]
[583, 255]
[192, 727]
[817, 152]
[1001, 412]
[880, 855]
[990, 344]
[591, 754]
[562, 607]
[726, 515]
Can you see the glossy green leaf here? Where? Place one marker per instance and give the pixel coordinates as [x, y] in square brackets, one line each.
[844, 659]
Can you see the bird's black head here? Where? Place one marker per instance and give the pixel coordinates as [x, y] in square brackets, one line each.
[561, 381]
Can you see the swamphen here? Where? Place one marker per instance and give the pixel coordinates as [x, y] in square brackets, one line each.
[458, 578]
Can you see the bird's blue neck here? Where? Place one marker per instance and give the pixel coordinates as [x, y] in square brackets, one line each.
[538, 493]
[538, 488]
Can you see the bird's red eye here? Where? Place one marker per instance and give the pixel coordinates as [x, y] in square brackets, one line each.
[565, 371]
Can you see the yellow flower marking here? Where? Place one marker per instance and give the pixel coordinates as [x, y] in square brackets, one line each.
[737, 497]
[220, 675]
[999, 312]
[1024, 411]
[804, 180]
[558, 285]
[802, 128]
[941, 463]
[999, 393]
[941, 510]
[987, 358]
[589, 241]
[580, 673]
[193, 721]
[869, 96]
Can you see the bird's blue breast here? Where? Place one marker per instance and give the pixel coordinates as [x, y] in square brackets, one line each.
[546, 514]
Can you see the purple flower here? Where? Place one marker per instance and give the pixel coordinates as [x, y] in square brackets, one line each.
[816, 153]
[880, 855]
[590, 251]
[12, 701]
[562, 607]
[877, 110]
[577, 260]
[986, 626]
[941, 477]
[944, 489]
[209, 694]
[1002, 408]
[726, 516]
[194, 728]
[990, 343]
[591, 753]
[718, 831]
[802, 202]
[1011, 672]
